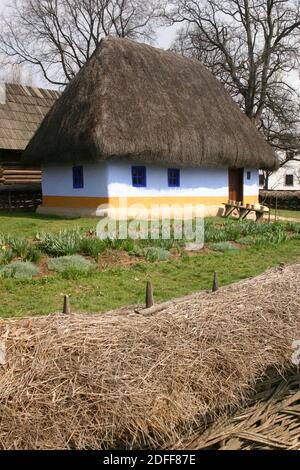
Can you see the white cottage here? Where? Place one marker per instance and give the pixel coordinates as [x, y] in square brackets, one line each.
[150, 126]
[286, 178]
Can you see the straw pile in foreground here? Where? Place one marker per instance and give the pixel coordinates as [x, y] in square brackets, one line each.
[271, 421]
[125, 380]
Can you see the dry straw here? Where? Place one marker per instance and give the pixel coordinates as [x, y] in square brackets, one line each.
[270, 422]
[131, 381]
[22, 109]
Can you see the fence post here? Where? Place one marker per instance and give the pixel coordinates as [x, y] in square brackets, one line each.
[215, 283]
[149, 295]
[66, 307]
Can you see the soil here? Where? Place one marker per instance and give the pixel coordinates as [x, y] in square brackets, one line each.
[118, 258]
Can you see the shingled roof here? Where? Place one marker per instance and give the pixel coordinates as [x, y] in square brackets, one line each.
[134, 101]
[22, 108]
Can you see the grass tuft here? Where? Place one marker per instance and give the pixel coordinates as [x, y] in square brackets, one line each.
[19, 270]
[70, 264]
[223, 246]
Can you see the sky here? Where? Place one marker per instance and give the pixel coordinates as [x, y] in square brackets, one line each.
[165, 37]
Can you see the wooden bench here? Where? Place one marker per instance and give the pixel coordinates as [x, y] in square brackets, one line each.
[243, 211]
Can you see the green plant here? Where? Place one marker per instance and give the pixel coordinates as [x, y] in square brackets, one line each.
[70, 263]
[33, 254]
[246, 241]
[293, 227]
[19, 247]
[223, 246]
[138, 251]
[19, 270]
[128, 245]
[92, 247]
[6, 255]
[4, 239]
[154, 253]
[66, 242]
[272, 239]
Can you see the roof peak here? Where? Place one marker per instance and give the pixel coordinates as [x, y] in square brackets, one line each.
[135, 101]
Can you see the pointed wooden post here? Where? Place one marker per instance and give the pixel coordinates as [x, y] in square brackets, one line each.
[149, 295]
[67, 307]
[215, 283]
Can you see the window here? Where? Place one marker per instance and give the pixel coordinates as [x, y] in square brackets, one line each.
[249, 175]
[77, 177]
[173, 177]
[289, 180]
[139, 176]
[261, 180]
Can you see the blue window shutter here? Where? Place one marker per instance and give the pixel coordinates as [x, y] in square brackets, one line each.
[139, 176]
[173, 177]
[78, 182]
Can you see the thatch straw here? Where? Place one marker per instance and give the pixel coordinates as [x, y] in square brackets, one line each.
[144, 104]
[270, 422]
[125, 380]
[21, 112]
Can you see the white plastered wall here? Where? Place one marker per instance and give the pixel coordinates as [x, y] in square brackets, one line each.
[194, 182]
[277, 180]
[58, 181]
[113, 180]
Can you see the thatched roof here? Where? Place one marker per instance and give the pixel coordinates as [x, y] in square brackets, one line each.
[134, 101]
[22, 108]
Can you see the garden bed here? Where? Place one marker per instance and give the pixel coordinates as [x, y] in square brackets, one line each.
[75, 251]
[236, 250]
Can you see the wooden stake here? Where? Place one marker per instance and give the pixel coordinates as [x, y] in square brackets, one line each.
[67, 308]
[149, 295]
[215, 283]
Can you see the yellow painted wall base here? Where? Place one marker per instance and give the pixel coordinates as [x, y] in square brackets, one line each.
[129, 207]
[93, 202]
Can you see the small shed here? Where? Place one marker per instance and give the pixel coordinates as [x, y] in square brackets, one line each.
[22, 108]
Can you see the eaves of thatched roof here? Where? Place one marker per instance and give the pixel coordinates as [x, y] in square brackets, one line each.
[22, 108]
[134, 101]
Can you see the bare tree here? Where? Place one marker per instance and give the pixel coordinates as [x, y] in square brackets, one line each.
[59, 36]
[252, 46]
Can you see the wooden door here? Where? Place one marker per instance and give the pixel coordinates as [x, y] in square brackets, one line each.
[236, 184]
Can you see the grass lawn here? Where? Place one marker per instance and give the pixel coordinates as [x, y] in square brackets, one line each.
[116, 287]
[287, 213]
[29, 224]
